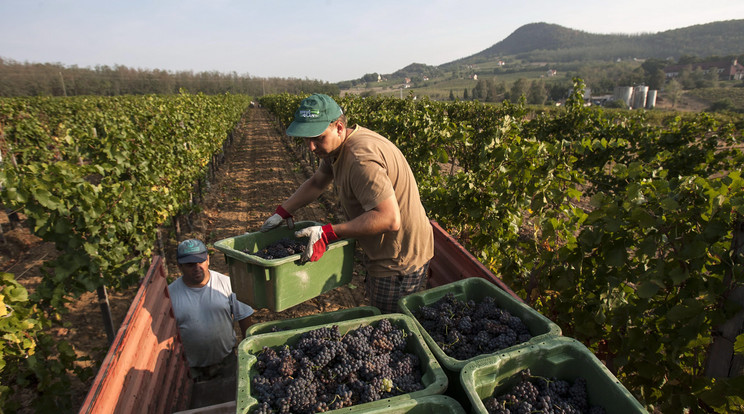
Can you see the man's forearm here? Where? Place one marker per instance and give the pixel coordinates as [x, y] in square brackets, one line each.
[308, 192]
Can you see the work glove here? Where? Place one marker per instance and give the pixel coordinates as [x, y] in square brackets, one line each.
[320, 237]
[276, 219]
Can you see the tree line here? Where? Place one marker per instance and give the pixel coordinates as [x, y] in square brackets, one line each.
[55, 79]
[600, 77]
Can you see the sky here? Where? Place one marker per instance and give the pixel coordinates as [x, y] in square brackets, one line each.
[327, 40]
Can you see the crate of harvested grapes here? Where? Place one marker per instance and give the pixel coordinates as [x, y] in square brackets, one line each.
[473, 318]
[266, 271]
[356, 365]
[312, 320]
[557, 373]
[438, 404]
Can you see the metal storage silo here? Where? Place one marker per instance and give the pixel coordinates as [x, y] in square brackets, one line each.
[651, 99]
[623, 93]
[639, 96]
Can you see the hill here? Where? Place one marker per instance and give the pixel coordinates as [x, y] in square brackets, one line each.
[544, 42]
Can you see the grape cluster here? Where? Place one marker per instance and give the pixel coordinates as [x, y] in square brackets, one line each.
[281, 248]
[325, 370]
[535, 394]
[467, 329]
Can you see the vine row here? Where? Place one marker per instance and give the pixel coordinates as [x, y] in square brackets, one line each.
[617, 228]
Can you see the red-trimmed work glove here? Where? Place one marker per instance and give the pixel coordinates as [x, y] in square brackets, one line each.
[320, 237]
[276, 219]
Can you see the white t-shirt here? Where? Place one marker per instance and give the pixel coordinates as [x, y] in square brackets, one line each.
[205, 318]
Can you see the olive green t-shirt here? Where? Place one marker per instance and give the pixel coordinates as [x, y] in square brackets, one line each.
[367, 170]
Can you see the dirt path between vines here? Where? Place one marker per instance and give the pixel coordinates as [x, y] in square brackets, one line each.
[260, 171]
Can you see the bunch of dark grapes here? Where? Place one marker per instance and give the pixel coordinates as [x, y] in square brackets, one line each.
[467, 329]
[325, 370]
[535, 394]
[281, 248]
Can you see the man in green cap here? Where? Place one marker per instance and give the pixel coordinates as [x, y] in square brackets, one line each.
[378, 193]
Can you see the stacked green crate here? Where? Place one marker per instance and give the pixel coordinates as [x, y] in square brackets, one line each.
[558, 357]
[312, 320]
[434, 380]
[437, 404]
[476, 289]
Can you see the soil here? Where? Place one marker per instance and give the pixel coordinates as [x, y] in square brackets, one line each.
[260, 171]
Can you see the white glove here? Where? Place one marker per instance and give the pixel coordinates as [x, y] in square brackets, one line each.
[272, 222]
[320, 237]
[276, 219]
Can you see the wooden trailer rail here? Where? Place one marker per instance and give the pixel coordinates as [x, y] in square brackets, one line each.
[452, 262]
[145, 370]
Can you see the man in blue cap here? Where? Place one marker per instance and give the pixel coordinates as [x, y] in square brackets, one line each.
[205, 308]
[378, 193]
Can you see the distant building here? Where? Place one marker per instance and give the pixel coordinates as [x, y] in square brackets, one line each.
[551, 72]
[726, 70]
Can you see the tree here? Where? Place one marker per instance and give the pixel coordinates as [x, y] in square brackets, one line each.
[465, 96]
[674, 90]
[656, 79]
[452, 95]
[519, 88]
[537, 94]
[494, 90]
[480, 90]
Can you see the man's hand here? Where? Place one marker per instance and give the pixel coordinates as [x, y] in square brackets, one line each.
[276, 219]
[320, 237]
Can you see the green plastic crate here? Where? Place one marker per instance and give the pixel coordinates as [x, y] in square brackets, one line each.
[438, 404]
[282, 283]
[559, 357]
[433, 377]
[312, 320]
[476, 288]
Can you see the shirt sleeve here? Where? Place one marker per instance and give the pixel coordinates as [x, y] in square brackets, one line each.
[240, 310]
[370, 184]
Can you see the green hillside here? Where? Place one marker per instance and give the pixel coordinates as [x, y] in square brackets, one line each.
[543, 42]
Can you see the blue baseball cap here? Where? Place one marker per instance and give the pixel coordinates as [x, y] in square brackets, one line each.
[191, 251]
[313, 116]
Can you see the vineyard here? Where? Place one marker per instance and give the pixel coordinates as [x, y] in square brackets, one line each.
[97, 177]
[626, 233]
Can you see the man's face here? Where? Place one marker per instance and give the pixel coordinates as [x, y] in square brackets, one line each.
[327, 142]
[195, 274]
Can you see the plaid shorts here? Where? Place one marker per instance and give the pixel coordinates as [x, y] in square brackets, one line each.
[223, 369]
[384, 292]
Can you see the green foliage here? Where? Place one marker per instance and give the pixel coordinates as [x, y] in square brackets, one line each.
[617, 228]
[30, 359]
[97, 177]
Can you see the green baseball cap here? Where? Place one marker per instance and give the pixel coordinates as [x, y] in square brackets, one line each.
[314, 115]
[191, 251]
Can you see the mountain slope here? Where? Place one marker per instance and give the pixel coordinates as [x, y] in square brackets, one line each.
[550, 42]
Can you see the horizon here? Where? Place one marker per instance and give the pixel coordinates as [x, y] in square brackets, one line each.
[342, 41]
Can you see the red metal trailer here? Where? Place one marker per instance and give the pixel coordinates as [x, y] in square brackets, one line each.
[145, 370]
